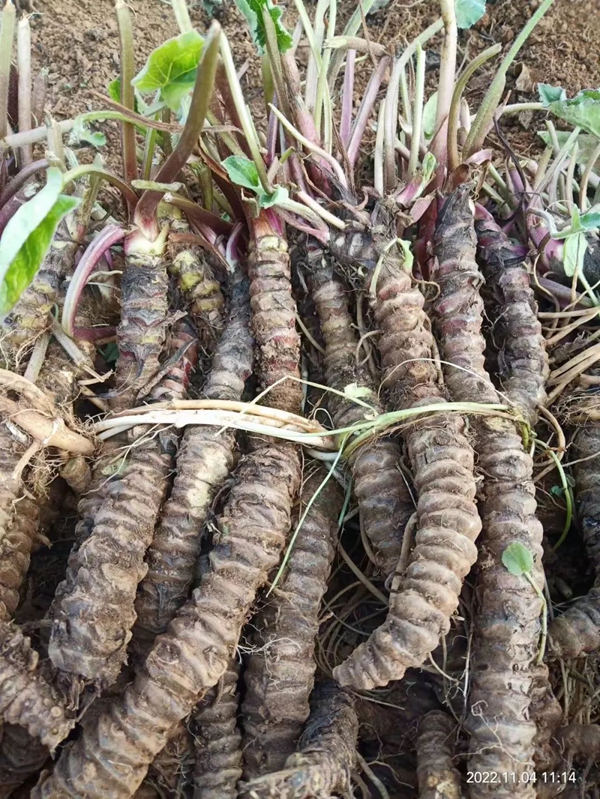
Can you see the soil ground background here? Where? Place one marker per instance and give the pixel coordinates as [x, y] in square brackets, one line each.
[77, 42]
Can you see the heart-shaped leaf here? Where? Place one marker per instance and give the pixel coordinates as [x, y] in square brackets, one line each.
[243, 172]
[517, 559]
[171, 69]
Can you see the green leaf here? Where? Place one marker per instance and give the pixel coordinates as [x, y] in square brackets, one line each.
[428, 168]
[253, 11]
[82, 132]
[551, 94]
[280, 195]
[172, 68]
[574, 250]
[517, 559]
[582, 111]
[429, 113]
[242, 171]
[591, 219]
[21, 270]
[114, 90]
[587, 144]
[468, 12]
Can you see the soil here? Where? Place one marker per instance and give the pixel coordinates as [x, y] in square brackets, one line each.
[77, 42]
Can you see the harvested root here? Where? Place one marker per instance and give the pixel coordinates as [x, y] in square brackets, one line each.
[195, 278]
[92, 626]
[507, 625]
[32, 316]
[112, 755]
[274, 317]
[326, 756]
[518, 332]
[280, 670]
[204, 461]
[424, 598]
[437, 776]
[26, 698]
[217, 740]
[20, 757]
[144, 308]
[18, 524]
[169, 773]
[384, 501]
[577, 631]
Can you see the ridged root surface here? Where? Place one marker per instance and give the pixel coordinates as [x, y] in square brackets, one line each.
[217, 739]
[201, 289]
[424, 598]
[326, 756]
[274, 318]
[31, 316]
[18, 524]
[21, 756]
[142, 330]
[438, 778]
[384, 501]
[507, 624]
[26, 698]
[170, 770]
[523, 358]
[204, 461]
[280, 669]
[113, 753]
[92, 625]
[577, 631]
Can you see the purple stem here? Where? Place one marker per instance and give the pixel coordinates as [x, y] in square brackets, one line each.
[20, 179]
[366, 107]
[10, 209]
[107, 238]
[550, 250]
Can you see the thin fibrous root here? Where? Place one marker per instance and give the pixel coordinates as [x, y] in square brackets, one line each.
[327, 752]
[217, 739]
[203, 463]
[508, 624]
[424, 598]
[438, 778]
[518, 332]
[26, 698]
[113, 753]
[577, 631]
[279, 673]
[384, 500]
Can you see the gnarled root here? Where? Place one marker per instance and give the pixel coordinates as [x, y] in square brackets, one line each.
[26, 698]
[217, 740]
[279, 673]
[204, 461]
[437, 776]
[507, 626]
[112, 755]
[518, 331]
[384, 501]
[424, 598]
[577, 630]
[326, 756]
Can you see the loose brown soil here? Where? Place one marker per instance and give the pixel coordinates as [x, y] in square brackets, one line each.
[77, 42]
